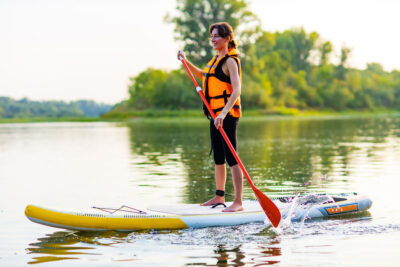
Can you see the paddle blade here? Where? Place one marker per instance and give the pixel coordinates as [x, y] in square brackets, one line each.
[269, 207]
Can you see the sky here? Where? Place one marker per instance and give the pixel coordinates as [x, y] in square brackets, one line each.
[87, 49]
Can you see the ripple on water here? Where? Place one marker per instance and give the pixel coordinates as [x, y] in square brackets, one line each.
[261, 233]
[260, 243]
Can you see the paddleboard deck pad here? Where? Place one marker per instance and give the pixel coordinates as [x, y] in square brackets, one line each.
[180, 216]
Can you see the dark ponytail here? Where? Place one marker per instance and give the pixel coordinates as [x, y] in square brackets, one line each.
[224, 30]
[232, 44]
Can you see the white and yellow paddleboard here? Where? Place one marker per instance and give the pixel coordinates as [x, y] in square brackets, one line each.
[183, 216]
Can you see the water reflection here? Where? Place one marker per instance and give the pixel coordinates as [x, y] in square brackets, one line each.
[237, 256]
[270, 255]
[67, 245]
[157, 140]
[58, 245]
[252, 244]
[282, 156]
[228, 242]
[227, 256]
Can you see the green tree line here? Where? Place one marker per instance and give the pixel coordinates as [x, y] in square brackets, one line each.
[289, 69]
[25, 108]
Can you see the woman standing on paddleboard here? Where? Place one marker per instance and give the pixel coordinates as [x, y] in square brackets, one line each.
[222, 88]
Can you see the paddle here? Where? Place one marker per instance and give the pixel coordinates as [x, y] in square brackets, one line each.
[269, 207]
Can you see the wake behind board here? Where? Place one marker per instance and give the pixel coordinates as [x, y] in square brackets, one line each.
[183, 216]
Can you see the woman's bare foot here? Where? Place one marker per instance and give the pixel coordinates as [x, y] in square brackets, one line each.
[236, 206]
[213, 201]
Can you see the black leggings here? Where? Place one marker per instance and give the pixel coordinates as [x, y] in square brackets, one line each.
[220, 149]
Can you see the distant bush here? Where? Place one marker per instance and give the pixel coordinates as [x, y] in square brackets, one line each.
[25, 108]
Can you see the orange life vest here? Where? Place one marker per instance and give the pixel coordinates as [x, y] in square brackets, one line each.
[217, 86]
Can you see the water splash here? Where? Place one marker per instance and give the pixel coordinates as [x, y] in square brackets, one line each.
[298, 209]
[311, 201]
[286, 224]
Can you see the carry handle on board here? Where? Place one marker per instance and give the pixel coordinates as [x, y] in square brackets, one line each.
[269, 207]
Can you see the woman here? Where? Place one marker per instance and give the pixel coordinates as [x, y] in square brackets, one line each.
[222, 88]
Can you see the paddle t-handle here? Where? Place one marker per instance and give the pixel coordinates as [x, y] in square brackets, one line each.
[269, 207]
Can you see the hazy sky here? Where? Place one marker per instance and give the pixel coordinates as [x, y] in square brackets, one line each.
[88, 49]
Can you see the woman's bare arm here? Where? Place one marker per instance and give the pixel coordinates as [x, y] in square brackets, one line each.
[194, 69]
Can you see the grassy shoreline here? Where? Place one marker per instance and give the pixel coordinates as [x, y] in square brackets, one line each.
[160, 114]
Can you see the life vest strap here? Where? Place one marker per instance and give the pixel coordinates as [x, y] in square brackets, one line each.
[220, 96]
[209, 75]
[219, 73]
[219, 109]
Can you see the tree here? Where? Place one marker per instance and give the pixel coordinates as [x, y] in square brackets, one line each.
[299, 44]
[341, 69]
[159, 89]
[195, 16]
[375, 67]
[325, 49]
[144, 86]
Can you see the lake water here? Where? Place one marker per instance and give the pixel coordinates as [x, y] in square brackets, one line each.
[161, 161]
